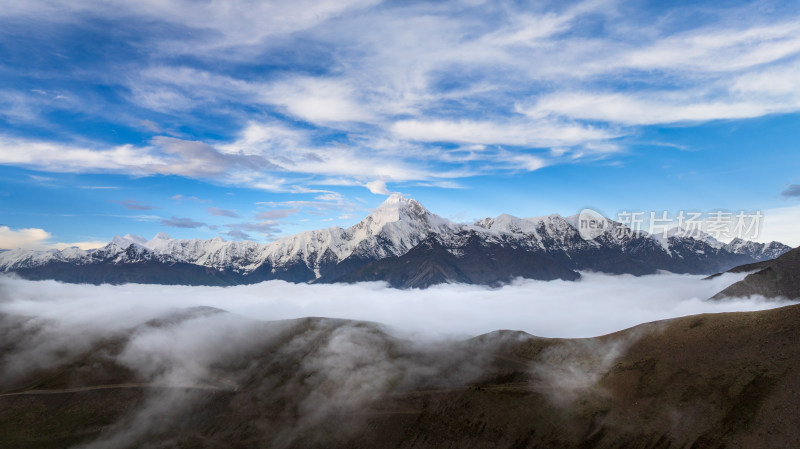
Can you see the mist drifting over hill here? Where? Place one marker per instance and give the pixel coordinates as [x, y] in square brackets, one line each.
[160, 363]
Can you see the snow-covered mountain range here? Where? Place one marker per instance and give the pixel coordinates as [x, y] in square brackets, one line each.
[400, 242]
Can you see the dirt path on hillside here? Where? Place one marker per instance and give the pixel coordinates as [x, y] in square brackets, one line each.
[229, 386]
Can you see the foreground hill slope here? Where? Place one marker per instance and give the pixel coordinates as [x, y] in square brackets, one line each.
[721, 380]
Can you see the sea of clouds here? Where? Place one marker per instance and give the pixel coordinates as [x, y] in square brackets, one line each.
[597, 304]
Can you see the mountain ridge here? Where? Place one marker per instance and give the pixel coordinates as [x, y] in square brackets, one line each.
[385, 246]
[771, 279]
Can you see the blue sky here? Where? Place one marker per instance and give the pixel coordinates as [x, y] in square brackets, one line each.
[261, 119]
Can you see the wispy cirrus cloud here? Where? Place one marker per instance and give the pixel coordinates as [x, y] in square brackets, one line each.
[323, 202]
[134, 204]
[276, 214]
[178, 222]
[217, 212]
[165, 156]
[265, 228]
[519, 133]
[375, 94]
[99, 187]
[181, 197]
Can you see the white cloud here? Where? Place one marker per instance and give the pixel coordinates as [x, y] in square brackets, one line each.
[537, 134]
[266, 139]
[318, 100]
[717, 50]
[340, 164]
[633, 109]
[166, 156]
[233, 24]
[779, 81]
[528, 30]
[377, 187]
[28, 238]
[527, 162]
[36, 238]
[56, 157]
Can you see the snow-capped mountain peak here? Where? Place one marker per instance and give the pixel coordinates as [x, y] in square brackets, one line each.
[126, 241]
[160, 242]
[397, 208]
[161, 236]
[396, 198]
[696, 234]
[399, 218]
[392, 230]
[509, 224]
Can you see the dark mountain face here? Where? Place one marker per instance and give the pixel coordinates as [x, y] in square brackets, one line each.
[776, 278]
[400, 243]
[469, 258]
[718, 380]
[141, 273]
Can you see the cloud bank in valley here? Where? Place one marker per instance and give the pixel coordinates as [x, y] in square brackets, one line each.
[598, 304]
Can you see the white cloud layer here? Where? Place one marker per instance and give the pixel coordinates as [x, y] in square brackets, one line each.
[596, 305]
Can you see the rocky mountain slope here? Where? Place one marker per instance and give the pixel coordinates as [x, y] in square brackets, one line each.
[775, 278]
[400, 242]
[719, 380]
